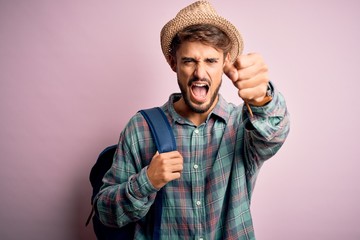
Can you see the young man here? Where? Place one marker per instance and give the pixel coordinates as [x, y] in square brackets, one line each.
[207, 183]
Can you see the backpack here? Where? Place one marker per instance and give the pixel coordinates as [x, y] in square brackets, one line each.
[163, 136]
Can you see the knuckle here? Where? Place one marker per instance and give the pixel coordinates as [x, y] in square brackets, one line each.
[241, 74]
[265, 67]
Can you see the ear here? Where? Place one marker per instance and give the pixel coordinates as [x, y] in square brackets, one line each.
[172, 62]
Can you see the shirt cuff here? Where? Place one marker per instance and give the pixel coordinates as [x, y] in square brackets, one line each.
[140, 186]
[267, 119]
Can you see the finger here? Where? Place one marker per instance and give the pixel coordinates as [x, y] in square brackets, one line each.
[253, 70]
[162, 165]
[172, 154]
[244, 61]
[248, 60]
[176, 175]
[250, 94]
[244, 67]
[175, 167]
[171, 176]
[230, 71]
[170, 158]
[259, 79]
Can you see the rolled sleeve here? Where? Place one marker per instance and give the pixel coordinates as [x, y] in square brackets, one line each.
[271, 119]
[140, 189]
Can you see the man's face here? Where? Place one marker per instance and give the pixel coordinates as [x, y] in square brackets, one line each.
[199, 70]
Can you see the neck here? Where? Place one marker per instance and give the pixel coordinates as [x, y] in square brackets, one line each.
[196, 118]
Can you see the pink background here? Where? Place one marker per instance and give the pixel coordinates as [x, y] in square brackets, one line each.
[73, 72]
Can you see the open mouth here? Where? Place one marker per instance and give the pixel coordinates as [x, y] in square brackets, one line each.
[199, 91]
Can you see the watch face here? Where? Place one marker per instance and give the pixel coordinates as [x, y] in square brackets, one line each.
[269, 90]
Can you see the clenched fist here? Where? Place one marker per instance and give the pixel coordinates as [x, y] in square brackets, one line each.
[249, 75]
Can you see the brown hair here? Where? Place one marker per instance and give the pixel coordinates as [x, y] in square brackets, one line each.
[204, 33]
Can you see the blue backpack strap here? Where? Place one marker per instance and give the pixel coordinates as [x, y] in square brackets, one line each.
[160, 129]
[165, 142]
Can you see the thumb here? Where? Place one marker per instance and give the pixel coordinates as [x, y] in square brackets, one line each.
[231, 71]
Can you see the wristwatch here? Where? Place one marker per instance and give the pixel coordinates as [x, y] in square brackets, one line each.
[269, 90]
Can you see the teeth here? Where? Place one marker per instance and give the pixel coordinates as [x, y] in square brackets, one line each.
[200, 84]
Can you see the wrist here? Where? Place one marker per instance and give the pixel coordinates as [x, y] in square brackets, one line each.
[266, 99]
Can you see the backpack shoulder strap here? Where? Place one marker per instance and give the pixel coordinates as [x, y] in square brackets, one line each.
[160, 129]
[165, 142]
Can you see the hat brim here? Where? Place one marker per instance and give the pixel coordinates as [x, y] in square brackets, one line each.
[180, 22]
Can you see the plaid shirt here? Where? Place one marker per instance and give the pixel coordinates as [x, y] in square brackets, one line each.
[222, 158]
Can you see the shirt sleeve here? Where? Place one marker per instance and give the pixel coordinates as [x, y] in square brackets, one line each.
[127, 193]
[266, 131]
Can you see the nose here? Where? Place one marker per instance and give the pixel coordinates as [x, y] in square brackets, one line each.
[200, 71]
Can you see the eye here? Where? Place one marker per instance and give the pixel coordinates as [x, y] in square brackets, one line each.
[188, 61]
[212, 60]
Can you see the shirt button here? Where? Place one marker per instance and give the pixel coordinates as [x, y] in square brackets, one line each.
[196, 131]
[198, 203]
[196, 166]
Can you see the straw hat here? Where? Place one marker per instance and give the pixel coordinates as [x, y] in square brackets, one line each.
[200, 12]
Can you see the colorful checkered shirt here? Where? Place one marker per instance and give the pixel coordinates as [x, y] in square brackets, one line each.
[222, 158]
